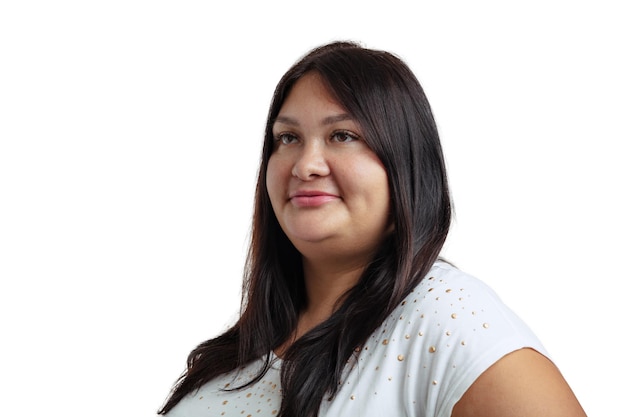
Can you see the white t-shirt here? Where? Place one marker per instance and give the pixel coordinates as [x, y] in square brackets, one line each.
[418, 363]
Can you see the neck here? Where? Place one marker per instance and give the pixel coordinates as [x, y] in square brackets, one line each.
[326, 283]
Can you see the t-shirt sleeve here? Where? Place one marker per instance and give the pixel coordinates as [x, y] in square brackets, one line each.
[469, 329]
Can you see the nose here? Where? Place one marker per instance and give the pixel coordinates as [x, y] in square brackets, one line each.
[311, 162]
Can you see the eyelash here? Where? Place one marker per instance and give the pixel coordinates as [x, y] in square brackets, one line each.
[348, 136]
[346, 133]
[280, 138]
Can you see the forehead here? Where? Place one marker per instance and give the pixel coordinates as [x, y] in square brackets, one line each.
[310, 97]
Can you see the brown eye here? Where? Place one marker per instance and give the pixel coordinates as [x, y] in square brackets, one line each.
[343, 136]
[285, 138]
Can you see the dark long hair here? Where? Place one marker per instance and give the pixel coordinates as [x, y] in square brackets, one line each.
[384, 97]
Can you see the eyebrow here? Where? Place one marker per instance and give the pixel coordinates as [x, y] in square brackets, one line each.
[325, 121]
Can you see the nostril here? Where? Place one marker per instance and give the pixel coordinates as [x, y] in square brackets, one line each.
[305, 169]
[311, 162]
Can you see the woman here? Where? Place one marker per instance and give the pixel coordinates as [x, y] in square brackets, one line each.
[347, 310]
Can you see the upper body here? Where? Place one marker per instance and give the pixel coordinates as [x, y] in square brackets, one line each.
[419, 363]
[351, 211]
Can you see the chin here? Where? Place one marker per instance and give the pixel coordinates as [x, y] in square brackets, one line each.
[308, 239]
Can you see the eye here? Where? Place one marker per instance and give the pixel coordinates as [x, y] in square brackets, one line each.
[343, 136]
[285, 138]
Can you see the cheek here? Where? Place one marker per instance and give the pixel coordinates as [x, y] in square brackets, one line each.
[375, 185]
[369, 177]
[273, 180]
[367, 190]
[381, 193]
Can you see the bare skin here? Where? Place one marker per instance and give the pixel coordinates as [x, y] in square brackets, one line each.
[325, 285]
[524, 383]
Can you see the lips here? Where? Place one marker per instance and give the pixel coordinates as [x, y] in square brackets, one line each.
[311, 198]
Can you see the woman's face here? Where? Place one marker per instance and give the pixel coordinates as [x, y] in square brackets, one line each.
[328, 189]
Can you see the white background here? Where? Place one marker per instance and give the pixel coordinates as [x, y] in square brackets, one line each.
[129, 139]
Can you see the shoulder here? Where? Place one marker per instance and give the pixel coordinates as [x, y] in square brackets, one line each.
[499, 365]
[453, 282]
[465, 315]
[450, 297]
[448, 331]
